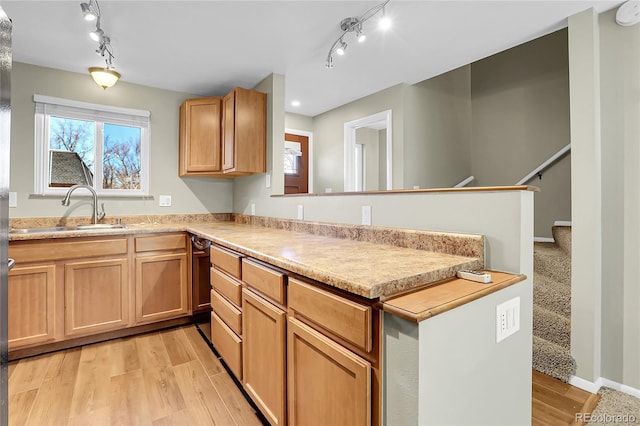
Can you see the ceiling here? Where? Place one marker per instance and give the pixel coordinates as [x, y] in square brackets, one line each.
[207, 47]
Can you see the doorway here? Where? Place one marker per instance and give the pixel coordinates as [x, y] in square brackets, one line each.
[297, 162]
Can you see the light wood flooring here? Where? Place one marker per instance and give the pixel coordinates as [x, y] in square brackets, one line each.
[163, 378]
[172, 377]
[556, 403]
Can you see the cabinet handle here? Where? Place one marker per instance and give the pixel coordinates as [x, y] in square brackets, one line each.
[10, 264]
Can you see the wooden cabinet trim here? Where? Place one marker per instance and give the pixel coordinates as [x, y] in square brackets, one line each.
[227, 312]
[347, 319]
[301, 398]
[228, 345]
[161, 242]
[267, 281]
[226, 260]
[41, 251]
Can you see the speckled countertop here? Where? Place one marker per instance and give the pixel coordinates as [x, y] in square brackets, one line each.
[368, 261]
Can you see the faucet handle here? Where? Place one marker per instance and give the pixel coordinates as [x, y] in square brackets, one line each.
[102, 214]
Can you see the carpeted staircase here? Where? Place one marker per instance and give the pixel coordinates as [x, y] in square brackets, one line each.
[552, 306]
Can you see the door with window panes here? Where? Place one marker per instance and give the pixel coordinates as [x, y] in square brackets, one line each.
[296, 164]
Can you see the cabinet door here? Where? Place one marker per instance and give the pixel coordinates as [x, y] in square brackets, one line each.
[200, 149]
[31, 305]
[96, 296]
[161, 287]
[201, 282]
[263, 347]
[229, 130]
[327, 384]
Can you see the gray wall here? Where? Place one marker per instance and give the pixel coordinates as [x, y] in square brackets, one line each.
[189, 195]
[520, 107]
[605, 64]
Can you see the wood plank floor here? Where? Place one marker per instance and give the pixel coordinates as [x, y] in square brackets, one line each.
[164, 378]
[173, 378]
[556, 403]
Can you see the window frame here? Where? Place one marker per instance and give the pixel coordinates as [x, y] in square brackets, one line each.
[46, 106]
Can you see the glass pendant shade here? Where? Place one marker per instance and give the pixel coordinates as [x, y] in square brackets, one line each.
[104, 77]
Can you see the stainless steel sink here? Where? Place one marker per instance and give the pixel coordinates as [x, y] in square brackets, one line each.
[101, 226]
[67, 228]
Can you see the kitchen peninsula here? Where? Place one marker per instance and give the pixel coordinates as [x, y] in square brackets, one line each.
[327, 273]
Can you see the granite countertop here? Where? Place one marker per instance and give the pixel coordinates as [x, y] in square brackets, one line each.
[365, 268]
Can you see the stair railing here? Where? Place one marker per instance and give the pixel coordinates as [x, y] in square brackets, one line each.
[538, 170]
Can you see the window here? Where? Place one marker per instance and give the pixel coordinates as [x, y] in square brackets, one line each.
[292, 152]
[97, 145]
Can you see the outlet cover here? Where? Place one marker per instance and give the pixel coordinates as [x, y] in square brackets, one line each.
[366, 215]
[253, 209]
[268, 181]
[13, 199]
[300, 212]
[164, 200]
[507, 318]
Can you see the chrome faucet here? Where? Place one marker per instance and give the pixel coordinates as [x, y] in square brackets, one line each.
[96, 216]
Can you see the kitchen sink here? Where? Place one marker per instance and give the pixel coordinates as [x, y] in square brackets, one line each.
[67, 228]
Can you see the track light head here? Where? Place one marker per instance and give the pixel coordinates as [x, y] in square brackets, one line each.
[342, 47]
[97, 34]
[360, 36]
[384, 23]
[88, 12]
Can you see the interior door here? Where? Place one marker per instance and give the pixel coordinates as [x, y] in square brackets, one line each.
[296, 164]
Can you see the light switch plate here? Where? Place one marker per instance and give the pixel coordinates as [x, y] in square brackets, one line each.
[366, 215]
[164, 200]
[253, 209]
[507, 318]
[268, 181]
[300, 212]
[13, 199]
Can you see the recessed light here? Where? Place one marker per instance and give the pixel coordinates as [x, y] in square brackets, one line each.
[295, 103]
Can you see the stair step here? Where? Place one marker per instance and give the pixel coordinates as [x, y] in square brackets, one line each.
[552, 360]
[551, 261]
[562, 236]
[552, 295]
[551, 327]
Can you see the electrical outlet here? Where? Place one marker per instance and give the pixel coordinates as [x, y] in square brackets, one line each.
[268, 181]
[300, 212]
[507, 318]
[328, 190]
[366, 215]
[13, 199]
[164, 200]
[253, 209]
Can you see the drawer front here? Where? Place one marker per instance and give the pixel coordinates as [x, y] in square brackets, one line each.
[228, 345]
[265, 280]
[227, 312]
[347, 319]
[40, 251]
[161, 242]
[226, 260]
[227, 286]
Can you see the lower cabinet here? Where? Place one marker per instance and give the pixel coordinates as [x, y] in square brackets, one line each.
[327, 384]
[96, 296]
[264, 342]
[31, 305]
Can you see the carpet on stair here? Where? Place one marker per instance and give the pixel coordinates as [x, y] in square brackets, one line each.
[552, 360]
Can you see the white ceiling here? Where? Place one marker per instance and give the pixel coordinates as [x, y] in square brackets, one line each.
[207, 47]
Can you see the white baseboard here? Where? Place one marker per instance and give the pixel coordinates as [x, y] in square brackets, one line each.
[543, 240]
[594, 387]
[562, 223]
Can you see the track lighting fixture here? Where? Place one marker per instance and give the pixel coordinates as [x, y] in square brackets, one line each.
[107, 76]
[88, 12]
[354, 24]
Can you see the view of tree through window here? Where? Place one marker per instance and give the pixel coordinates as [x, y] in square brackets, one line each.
[73, 148]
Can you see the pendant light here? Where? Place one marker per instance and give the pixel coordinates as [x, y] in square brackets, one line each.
[104, 77]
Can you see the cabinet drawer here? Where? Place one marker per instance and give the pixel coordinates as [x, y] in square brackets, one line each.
[39, 251]
[348, 320]
[228, 345]
[227, 286]
[265, 280]
[227, 312]
[226, 260]
[161, 242]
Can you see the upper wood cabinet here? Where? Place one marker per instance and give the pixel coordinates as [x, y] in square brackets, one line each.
[244, 132]
[199, 148]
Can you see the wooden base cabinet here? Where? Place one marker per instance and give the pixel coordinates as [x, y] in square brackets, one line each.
[161, 287]
[263, 339]
[327, 384]
[96, 296]
[31, 305]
